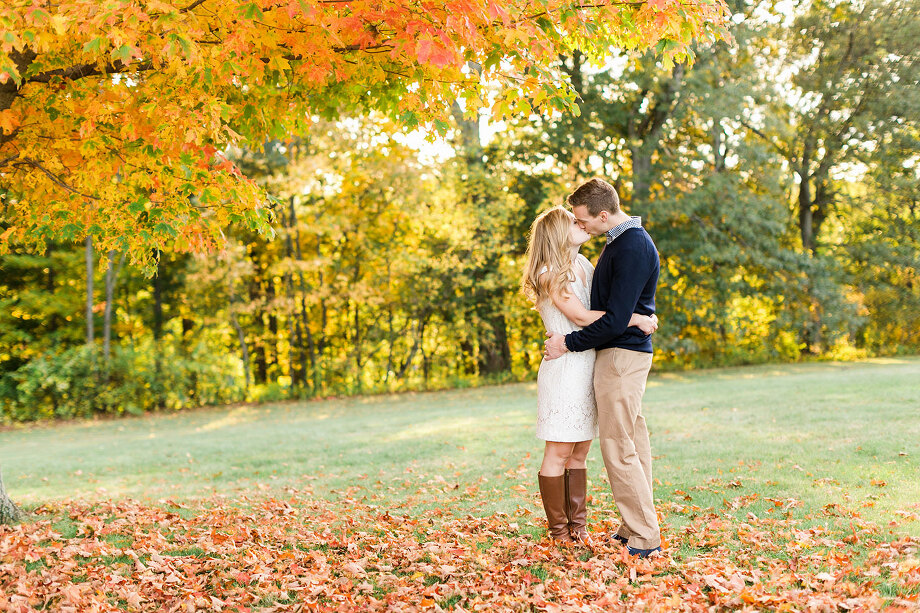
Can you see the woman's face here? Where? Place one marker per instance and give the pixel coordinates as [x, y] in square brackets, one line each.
[577, 235]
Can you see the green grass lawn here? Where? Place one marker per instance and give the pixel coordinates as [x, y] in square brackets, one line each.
[800, 437]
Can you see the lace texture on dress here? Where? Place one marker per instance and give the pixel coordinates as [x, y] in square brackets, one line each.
[566, 411]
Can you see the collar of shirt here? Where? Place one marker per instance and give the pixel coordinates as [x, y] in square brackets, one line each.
[614, 232]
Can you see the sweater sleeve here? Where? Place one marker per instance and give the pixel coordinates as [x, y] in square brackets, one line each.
[628, 278]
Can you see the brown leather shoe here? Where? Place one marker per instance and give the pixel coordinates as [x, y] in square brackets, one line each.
[552, 491]
[576, 507]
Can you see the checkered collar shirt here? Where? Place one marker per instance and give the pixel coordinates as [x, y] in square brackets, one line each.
[614, 232]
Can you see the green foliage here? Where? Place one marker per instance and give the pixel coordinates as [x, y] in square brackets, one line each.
[720, 191]
[37, 310]
[77, 383]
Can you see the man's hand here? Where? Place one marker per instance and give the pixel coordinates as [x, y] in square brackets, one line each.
[648, 324]
[554, 346]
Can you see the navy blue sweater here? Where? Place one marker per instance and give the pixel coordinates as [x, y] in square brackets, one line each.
[624, 283]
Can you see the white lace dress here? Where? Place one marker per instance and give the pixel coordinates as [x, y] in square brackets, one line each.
[566, 411]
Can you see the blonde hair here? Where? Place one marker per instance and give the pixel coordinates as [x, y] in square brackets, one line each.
[549, 248]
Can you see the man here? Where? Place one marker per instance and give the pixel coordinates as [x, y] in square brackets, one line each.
[624, 282]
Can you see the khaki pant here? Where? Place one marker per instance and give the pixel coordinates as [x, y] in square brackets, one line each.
[619, 383]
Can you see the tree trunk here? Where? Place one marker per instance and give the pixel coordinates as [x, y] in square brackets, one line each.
[494, 353]
[806, 219]
[357, 346]
[323, 318]
[272, 357]
[9, 512]
[811, 328]
[641, 176]
[426, 360]
[257, 305]
[292, 362]
[157, 317]
[111, 275]
[243, 348]
[645, 137]
[296, 326]
[467, 363]
[49, 280]
[420, 334]
[261, 360]
[719, 147]
[90, 328]
[470, 139]
[241, 336]
[579, 124]
[187, 327]
[468, 131]
[492, 337]
[391, 338]
[305, 321]
[10, 90]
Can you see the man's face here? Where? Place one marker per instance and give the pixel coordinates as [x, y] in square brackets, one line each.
[595, 226]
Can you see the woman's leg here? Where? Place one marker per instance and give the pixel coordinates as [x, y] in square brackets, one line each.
[555, 457]
[552, 481]
[579, 457]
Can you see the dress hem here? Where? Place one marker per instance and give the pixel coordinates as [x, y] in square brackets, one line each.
[556, 440]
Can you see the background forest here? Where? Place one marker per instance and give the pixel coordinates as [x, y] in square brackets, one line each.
[778, 176]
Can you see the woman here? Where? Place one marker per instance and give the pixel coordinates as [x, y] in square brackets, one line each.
[557, 278]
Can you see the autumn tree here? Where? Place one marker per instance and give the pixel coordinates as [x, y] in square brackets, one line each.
[115, 115]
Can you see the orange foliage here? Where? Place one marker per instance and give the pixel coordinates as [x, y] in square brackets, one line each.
[112, 112]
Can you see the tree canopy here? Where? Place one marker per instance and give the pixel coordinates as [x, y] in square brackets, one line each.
[115, 114]
[396, 270]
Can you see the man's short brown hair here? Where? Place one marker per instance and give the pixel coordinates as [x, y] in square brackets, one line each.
[597, 195]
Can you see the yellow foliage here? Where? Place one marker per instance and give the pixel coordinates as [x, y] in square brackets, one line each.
[151, 93]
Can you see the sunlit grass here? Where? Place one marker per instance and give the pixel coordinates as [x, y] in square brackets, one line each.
[799, 438]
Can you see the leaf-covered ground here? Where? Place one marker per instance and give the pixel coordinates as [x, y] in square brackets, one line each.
[779, 488]
[354, 554]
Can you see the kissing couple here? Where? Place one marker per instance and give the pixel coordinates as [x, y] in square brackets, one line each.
[597, 357]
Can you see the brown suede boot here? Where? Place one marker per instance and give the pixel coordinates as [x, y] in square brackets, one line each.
[576, 504]
[552, 491]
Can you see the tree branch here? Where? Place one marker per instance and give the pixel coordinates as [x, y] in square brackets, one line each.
[7, 160]
[665, 104]
[786, 155]
[191, 6]
[57, 180]
[89, 70]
